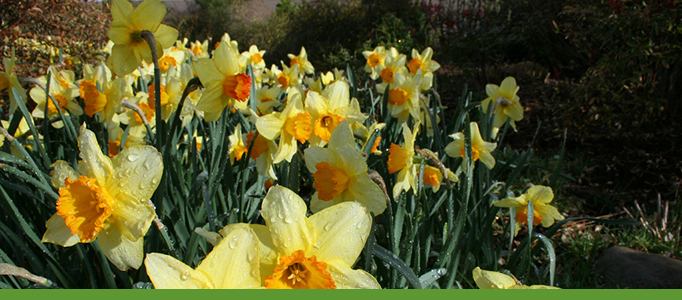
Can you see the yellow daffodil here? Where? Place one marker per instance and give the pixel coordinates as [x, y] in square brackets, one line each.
[480, 149]
[432, 177]
[171, 93]
[267, 99]
[225, 82]
[262, 152]
[130, 48]
[400, 160]
[496, 280]
[288, 78]
[254, 58]
[329, 109]
[403, 97]
[232, 264]
[316, 252]
[10, 81]
[64, 95]
[424, 63]
[170, 57]
[302, 61]
[198, 49]
[394, 63]
[106, 199]
[237, 147]
[340, 174]
[102, 96]
[291, 125]
[505, 102]
[132, 118]
[375, 61]
[543, 212]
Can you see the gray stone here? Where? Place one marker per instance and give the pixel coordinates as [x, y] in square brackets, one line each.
[622, 267]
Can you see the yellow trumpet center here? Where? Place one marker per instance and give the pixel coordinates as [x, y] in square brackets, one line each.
[93, 99]
[148, 113]
[196, 49]
[414, 65]
[165, 98]
[256, 58]
[260, 144]
[387, 75]
[294, 61]
[329, 181]
[283, 80]
[325, 125]
[397, 96]
[60, 99]
[299, 126]
[432, 176]
[397, 158]
[299, 272]
[474, 153]
[373, 60]
[237, 86]
[167, 61]
[85, 207]
[522, 216]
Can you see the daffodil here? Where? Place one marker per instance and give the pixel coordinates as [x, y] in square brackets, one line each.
[237, 149]
[394, 63]
[130, 48]
[254, 58]
[171, 93]
[403, 96]
[302, 61]
[480, 149]
[505, 102]
[543, 212]
[232, 264]
[340, 174]
[375, 61]
[198, 49]
[288, 78]
[267, 99]
[225, 82]
[329, 109]
[291, 125]
[106, 199]
[8, 80]
[102, 96]
[63, 94]
[400, 160]
[496, 280]
[132, 118]
[424, 63]
[316, 252]
[262, 152]
[170, 57]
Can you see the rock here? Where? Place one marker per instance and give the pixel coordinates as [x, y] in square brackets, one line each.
[622, 267]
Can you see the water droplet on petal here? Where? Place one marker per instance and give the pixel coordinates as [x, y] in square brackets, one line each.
[133, 157]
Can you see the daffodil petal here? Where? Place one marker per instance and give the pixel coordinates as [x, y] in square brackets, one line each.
[510, 202]
[124, 59]
[148, 15]
[341, 137]
[266, 249]
[121, 10]
[165, 36]
[315, 104]
[131, 217]
[58, 233]
[492, 90]
[234, 262]
[285, 215]
[269, 126]
[342, 231]
[317, 205]
[166, 272]
[347, 278]
[207, 71]
[368, 193]
[508, 88]
[492, 280]
[95, 164]
[514, 111]
[540, 194]
[315, 155]
[122, 252]
[352, 161]
[138, 171]
[226, 59]
[62, 170]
